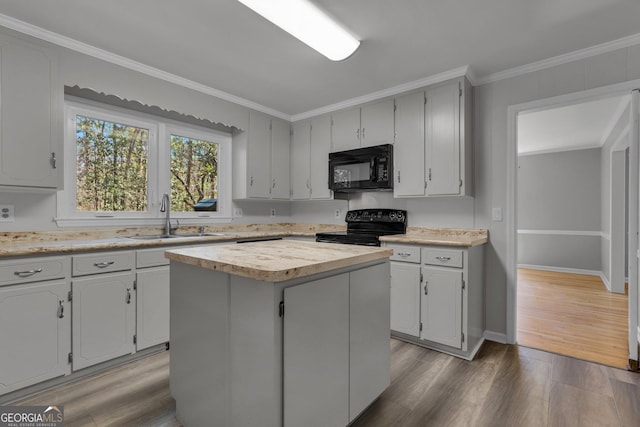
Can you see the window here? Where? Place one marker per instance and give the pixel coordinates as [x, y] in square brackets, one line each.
[120, 163]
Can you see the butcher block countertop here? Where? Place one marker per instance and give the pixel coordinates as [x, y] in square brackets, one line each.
[278, 260]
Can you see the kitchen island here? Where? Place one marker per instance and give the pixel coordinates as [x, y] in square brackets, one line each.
[278, 333]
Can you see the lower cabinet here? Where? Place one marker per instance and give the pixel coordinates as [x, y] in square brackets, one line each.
[333, 373]
[437, 297]
[152, 311]
[103, 318]
[35, 333]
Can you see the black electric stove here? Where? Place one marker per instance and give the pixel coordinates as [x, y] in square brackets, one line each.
[365, 226]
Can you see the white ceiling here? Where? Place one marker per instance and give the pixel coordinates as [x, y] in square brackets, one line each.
[223, 45]
[579, 126]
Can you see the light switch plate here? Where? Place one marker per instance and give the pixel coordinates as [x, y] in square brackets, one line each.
[496, 214]
[7, 213]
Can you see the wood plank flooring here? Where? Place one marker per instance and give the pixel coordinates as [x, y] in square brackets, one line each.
[504, 386]
[574, 315]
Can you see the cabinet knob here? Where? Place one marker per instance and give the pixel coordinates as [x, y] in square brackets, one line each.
[27, 273]
[273, 185]
[398, 177]
[60, 309]
[443, 258]
[103, 264]
[128, 295]
[53, 160]
[251, 181]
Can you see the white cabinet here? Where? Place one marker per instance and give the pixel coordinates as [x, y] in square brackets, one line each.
[280, 152]
[35, 333]
[30, 117]
[261, 159]
[316, 352]
[437, 297]
[311, 143]
[103, 309]
[152, 297]
[369, 353]
[442, 306]
[405, 298]
[373, 124]
[408, 153]
[433, 153]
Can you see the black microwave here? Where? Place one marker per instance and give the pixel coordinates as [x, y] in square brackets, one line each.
[362, 169]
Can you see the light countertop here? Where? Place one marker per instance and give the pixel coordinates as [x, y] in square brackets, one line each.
[278, 260]
[74, 241]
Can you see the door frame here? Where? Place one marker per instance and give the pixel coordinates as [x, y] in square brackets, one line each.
[619, 89]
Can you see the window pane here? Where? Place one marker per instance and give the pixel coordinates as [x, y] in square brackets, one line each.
[111, 166]
[194, 173]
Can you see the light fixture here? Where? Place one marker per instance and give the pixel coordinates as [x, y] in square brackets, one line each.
[305, 21]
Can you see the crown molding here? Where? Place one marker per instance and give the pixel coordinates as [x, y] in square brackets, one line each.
[72, 44]
[560, 59]
[405, 87]
[615, 118]
[559, 149]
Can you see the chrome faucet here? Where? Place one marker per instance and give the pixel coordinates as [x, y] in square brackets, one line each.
[165, 206]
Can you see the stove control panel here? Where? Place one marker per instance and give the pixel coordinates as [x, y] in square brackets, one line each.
[377, 215]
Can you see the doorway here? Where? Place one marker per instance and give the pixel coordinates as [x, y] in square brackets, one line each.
[569, 245]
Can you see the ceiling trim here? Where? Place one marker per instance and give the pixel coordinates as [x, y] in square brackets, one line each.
[405, 87]
[560, 59]
[69, 43]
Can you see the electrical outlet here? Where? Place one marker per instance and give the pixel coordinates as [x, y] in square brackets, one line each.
[496, 214]
[6, 213]
[273, 211]
[237, 212]
[338, 214]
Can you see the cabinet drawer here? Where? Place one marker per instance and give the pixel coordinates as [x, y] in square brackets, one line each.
[33, 270]
[151, 257]
[444, 257]
[405, 253]
[102, 263]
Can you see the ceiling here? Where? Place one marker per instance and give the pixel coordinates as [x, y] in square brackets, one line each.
[225, 46]
[573, 127]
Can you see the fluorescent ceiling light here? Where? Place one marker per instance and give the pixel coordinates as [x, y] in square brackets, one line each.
[305, 21]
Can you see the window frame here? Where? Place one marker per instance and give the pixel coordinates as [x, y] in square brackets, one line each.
[159, 168]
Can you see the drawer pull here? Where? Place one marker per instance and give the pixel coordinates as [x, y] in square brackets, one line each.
[128, 295]
[443, 258]
[404, 254]
[61, 309]
[103, 264]
[27, 273]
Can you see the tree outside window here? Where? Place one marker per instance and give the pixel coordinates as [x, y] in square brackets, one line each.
[194, 172]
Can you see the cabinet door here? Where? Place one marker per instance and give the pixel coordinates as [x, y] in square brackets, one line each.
[320, 148]
[441, 310]
[35, 333]
[259, 156]
[152, 307]
[280, 154]
[103, 318]
[442, 115]
[316, 353]
[405, 298]
[345, 130]
[369, 354]
[408, 151]
[30, 128]
[377, 125]
[300, 161]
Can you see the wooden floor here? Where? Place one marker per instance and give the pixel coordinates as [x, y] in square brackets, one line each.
[573, 315]
[504, 386]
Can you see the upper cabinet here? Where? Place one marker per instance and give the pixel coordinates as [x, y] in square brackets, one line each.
[373, 124]
[261, 159]
[310, 146]
[30, 117]
[433, 151]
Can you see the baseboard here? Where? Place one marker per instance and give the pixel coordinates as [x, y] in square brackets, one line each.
[638, 336]
[605, 281]
[561, 269]
[495, 336]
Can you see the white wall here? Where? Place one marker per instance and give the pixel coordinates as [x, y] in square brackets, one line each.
[490, 115]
